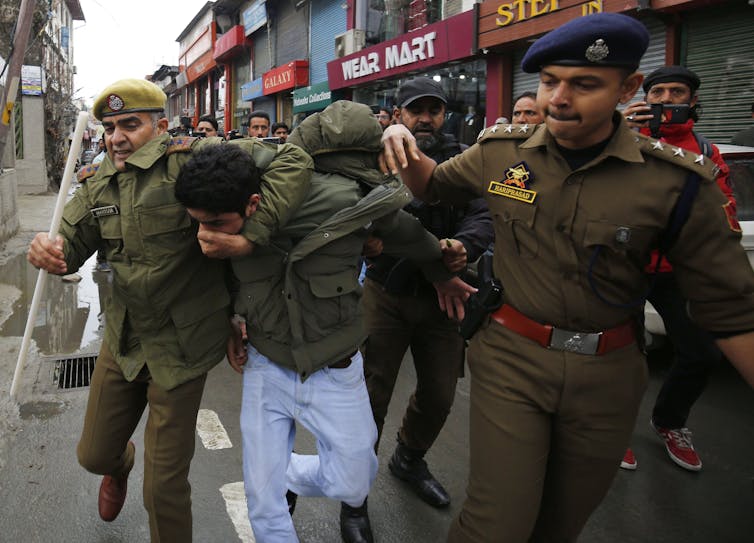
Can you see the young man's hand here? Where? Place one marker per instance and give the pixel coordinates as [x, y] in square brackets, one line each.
[453, 255]
[236, 350]
[451, 295]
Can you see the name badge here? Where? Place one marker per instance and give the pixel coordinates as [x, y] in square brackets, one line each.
[515, 184]
[105, 211]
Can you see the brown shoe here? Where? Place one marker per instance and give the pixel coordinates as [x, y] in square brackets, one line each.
[112, 495]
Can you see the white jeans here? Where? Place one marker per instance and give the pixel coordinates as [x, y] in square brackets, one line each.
[333, 404]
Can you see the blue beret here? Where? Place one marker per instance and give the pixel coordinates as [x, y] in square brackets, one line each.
[601, 39]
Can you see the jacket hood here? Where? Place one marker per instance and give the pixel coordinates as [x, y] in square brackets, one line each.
[344, 138]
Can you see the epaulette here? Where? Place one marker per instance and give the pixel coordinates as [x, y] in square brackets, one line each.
[86, 172]
[506, 131]
[684, 158]
[180, 144]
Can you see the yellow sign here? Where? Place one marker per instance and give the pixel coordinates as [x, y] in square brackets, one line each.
[522, 10]
[7, 112]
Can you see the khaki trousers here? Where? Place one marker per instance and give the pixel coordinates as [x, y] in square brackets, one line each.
[113, 411]
[548, 430]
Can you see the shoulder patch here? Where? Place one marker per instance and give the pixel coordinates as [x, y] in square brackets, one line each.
[86, 172]
[506, 131]
[684, 158]
[181, 144]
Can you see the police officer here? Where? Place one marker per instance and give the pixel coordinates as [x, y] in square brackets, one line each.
[557, 374]
[166, 324]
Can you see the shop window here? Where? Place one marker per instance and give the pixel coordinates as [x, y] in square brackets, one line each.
[388, 19]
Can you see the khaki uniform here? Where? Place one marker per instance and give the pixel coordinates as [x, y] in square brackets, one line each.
[549, 427]
[167, 320]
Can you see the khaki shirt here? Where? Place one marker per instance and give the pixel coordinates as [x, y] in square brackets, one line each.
[169, 304]
[548, 221]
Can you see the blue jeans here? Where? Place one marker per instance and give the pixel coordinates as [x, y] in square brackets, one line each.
[334, 406]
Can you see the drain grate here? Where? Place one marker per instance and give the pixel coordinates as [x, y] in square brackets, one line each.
[73, 371]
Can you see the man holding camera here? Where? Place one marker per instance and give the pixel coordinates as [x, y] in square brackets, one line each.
[668, 114]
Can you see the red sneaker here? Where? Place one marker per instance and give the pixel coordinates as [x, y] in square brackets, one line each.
[629, 460]
[679, 446]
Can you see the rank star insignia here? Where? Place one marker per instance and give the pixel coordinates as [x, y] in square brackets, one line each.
[524, 128]
[115, 102]
[657, 145]
[678, 152]
[493, 129]
[508, 129]
[597, 51]
[481, 133]
[699, 160]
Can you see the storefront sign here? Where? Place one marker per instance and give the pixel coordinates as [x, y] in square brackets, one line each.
[200, 67]
[252, 89]
[293, 74]
[254, 17]
[312, 98]
[437, 43]
[520, 10]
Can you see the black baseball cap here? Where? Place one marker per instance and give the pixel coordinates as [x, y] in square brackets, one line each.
[420, 87]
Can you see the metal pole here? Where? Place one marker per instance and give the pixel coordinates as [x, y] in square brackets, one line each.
[65, 184]
[15, 62]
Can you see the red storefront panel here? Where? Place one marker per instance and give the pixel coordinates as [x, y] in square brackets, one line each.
[291, 75]
[230, 44]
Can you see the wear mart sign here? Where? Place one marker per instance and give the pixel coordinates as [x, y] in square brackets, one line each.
[434, 44]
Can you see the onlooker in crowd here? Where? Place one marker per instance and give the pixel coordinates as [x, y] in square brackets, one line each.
[401, 310]
[745, 136]
[207, 126]
[166, 323]
[525, 109]
[280, 130]
[305, 344]
[102, 151]
[579, 203]
[259, 124]
[694, 349]
[384, 116]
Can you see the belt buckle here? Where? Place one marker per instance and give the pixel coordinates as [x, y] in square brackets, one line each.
[574, 342]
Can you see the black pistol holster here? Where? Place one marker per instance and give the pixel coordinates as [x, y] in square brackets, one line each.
[488, 299]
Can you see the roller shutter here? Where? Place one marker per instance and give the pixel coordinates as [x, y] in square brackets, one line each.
[720, 50]
[328, 20]
[292, 26]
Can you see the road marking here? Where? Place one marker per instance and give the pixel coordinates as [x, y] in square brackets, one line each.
[235, 504]
[211, 430]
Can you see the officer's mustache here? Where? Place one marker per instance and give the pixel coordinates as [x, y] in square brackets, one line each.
[562, 116]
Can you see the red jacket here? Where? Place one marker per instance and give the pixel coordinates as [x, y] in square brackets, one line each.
[680, 135]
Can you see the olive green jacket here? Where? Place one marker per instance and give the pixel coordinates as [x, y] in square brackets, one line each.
[300, 295]
[169, 305]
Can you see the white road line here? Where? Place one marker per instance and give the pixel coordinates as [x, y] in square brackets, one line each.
[211, 430]
[235, 504]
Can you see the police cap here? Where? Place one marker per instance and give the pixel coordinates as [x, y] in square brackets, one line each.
[672, 74]
[127, 96]
[601, 39]
[420, 87]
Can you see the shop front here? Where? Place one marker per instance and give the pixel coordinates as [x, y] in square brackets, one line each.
[445, 51]
[202, 74]
[278, 84]
[252, 98]
[308, 100]
[507, 29]
[231, 50]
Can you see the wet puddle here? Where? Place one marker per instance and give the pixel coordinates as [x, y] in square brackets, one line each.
[70, 318]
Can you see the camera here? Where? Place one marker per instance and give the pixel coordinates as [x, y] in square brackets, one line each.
[271, 140]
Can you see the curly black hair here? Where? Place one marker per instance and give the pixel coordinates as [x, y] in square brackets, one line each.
[219, 179]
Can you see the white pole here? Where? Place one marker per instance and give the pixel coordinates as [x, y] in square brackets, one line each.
[39, 289]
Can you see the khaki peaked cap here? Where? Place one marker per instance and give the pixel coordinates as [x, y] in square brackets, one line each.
[129, 95]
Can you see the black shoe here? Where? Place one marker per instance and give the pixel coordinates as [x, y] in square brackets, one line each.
[291, 498]
[409, 466]
[354, 524]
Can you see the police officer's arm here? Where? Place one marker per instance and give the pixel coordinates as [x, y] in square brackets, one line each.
[285, 185]
[739, 350]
